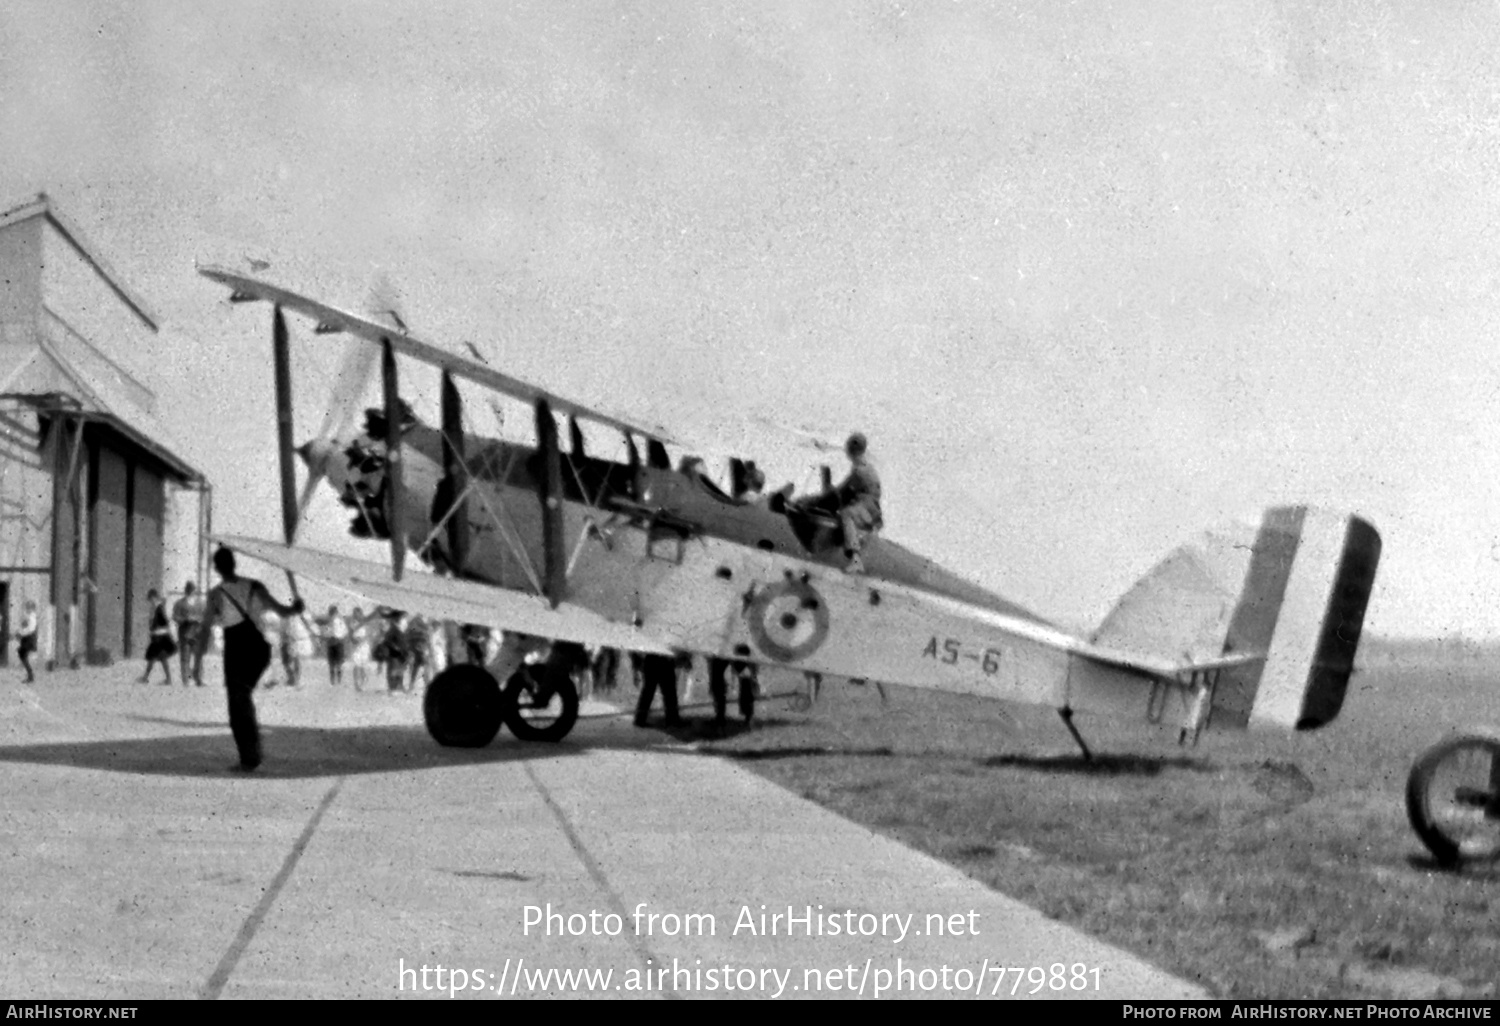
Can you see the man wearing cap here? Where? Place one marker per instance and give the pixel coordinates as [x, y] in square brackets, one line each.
[858, 498]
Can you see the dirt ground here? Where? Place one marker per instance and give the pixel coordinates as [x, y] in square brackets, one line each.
[1255, 865]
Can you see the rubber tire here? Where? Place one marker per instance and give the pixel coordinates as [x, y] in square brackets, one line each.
[464, 707]
[517, 687]
[1417, 783]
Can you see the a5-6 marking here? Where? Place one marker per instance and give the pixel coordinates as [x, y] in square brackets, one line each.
[951, 651]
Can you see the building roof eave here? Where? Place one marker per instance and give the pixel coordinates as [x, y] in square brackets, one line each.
[42, 206]
[59, 404]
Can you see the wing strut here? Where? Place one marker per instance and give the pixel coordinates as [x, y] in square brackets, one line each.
[282, 358]
[455, 484]
[550, 493]
[392, 457]
[635, 467]
[281, 350]
[656, 455]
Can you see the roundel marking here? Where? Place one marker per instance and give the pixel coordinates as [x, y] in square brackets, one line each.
[788, 620]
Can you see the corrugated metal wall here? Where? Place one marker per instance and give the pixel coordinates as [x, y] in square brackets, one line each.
[147, 501]
[69, 538]
[109, 521]
[25, 517]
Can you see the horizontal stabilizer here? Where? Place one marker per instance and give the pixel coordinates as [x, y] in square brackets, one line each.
[1166, 669]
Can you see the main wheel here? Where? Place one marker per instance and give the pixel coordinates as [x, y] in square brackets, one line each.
[463, 707]
[541, 703]
[1453, 798]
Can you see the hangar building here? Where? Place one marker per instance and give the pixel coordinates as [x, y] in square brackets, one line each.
[96, 506]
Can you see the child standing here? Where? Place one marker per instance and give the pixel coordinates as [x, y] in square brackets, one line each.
[27, 643]
[291, 655]
[335, 641]
[162, 648]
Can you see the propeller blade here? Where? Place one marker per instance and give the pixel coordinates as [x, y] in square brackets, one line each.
[384, 302]
[345, 398]
[344, 402]
[455, 476]
[283, 363]
[393, 457]
[637, 486]
[304, 500]
[495, 407]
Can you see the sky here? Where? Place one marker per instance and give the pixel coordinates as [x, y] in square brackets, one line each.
[1091, 276]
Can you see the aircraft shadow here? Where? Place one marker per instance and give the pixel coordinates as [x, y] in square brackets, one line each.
[769, 754]
[290, 752]
[704, 728]
[165, 721]
[1476, 869]
[1100, 765]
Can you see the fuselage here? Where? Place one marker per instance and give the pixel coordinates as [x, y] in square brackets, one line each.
[505, 518]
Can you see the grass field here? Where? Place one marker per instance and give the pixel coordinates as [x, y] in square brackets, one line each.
[1258, 866]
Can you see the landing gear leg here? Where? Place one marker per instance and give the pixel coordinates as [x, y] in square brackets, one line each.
[809, 697]
[1066, 712]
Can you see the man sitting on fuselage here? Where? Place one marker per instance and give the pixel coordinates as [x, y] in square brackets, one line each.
[856, 502]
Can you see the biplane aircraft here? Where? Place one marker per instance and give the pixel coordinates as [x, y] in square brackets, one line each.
[1256, 625]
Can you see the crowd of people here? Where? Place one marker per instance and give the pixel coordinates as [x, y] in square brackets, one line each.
[402, 651]
[395, 652]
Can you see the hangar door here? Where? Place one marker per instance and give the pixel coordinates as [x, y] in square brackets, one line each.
[148, 501]
[126, 501]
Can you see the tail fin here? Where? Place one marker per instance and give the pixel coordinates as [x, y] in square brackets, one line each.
[1292, 592]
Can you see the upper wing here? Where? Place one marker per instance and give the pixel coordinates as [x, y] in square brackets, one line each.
[332, 319]
[444, 598]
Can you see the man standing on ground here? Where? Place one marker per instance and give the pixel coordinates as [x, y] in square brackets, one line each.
[187, 614]
[658, 671]
[718, 687]
[237, 605]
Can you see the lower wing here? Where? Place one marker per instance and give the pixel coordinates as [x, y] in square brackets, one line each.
[444, 598]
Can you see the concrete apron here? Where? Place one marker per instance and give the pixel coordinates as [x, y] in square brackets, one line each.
[363, 858]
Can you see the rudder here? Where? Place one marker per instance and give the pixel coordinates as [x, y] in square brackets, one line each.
[1311, 653]
[1293, 588]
